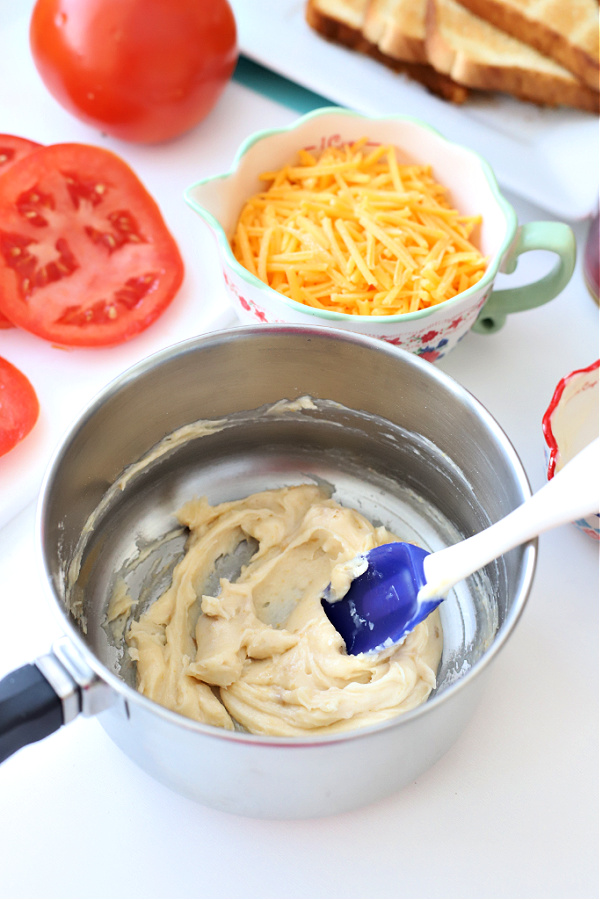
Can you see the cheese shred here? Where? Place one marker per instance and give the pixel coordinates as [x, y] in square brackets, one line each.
[354, 230]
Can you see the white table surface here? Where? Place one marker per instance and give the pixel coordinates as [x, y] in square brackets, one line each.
[510, 811]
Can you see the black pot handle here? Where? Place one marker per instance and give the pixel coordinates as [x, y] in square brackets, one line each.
[38, 698]
[30, 709]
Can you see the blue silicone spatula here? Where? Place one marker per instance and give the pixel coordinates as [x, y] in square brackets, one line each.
[402, 583]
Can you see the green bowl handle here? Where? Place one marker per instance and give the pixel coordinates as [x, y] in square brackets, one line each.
[554, 236]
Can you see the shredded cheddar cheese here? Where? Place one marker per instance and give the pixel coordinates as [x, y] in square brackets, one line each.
[355, 231]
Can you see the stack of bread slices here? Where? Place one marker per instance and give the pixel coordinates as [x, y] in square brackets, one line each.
[542, 51]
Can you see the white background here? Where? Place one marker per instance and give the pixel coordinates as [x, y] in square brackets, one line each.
[509, 811]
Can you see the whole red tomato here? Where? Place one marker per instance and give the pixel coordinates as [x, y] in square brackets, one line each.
[142, 70]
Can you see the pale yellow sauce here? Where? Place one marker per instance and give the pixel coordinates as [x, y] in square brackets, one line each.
[262, 653]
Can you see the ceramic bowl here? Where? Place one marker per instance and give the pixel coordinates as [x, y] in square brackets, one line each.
[431, 333]
[571, 423]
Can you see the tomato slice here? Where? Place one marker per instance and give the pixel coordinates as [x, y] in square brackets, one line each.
[12, 149]
[86, 258]
[19, 407]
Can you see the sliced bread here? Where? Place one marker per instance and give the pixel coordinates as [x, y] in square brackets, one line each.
[475, 53]
[397, 28]
[565, 30]
[343, 22]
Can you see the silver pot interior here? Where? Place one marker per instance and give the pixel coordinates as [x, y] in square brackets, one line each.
[388, 433]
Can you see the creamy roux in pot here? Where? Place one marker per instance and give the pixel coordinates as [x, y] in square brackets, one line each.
[262, 654]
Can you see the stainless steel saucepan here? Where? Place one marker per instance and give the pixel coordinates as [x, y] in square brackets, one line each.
[392, 435]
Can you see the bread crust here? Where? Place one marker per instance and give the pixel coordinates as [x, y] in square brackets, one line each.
[555, 37]
[332, 29]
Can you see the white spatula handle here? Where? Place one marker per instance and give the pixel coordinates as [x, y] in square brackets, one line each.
[573, 493]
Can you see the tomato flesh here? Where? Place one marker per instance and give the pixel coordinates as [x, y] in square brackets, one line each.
[12, 149]
[86, 258]
[19, 406]
[142, 70]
